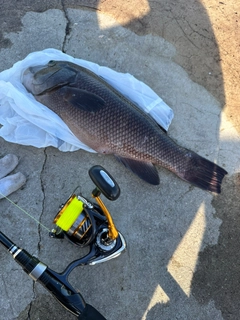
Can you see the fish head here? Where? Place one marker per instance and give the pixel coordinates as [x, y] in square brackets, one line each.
[44, 78]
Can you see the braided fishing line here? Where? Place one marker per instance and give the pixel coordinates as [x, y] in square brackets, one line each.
[28, 214]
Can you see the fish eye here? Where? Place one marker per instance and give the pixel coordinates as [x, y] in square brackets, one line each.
[51, 63]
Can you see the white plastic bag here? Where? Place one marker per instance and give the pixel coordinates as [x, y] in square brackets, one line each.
[28, 122]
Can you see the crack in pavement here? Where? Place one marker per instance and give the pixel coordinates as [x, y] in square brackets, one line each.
[186, 35]
[199, 33]
[68, 26]
[43, 201]
[31, 303]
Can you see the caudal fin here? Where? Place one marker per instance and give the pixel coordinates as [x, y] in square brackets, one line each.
[204, 173]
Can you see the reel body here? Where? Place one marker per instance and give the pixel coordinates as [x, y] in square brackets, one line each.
[86, 223]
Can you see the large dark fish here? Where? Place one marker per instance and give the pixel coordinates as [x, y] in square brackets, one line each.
[106, 121]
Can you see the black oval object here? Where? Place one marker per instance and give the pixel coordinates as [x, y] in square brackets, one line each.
[104, 182]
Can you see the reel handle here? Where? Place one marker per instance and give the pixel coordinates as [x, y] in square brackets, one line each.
[104, 182]
[109, 187]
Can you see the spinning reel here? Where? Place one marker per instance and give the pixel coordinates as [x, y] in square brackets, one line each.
[86, 223]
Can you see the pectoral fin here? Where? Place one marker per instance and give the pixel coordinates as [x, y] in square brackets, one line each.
[144, 170]
[82, 99]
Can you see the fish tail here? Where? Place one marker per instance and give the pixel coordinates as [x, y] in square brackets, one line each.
[202, 173]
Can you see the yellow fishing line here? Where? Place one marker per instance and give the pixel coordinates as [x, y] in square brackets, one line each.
[69, 213]
[28, 214]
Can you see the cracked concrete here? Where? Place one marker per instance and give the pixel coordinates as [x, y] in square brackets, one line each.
[182, 242]
[29, 308]
[44, 197]
[68, 26]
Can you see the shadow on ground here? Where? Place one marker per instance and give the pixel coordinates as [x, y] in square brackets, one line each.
[218, 273]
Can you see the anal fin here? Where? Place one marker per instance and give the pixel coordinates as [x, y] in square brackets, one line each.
[144, 170]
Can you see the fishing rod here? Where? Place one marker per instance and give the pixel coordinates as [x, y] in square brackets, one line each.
[83, 223]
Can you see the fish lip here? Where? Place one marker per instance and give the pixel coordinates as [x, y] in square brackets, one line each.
[37, 68]
[27, 77]
[33, 69]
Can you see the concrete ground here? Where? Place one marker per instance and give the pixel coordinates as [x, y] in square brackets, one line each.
[183, 252]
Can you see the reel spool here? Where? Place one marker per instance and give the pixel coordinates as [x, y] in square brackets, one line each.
[74, 221]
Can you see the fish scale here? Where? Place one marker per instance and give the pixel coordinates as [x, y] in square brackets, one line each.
[105, 120]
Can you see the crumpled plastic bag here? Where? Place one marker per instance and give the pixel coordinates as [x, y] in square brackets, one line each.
[26, 121]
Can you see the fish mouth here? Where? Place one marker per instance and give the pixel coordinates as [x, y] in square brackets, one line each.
[34, 69]
[42, 78]
[28, 77]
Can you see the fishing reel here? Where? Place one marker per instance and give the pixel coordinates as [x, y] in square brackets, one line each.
[86, 223]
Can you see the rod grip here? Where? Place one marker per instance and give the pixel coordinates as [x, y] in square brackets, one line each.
[70, 299]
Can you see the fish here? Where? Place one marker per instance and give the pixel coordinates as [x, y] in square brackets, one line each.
[109, 123]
